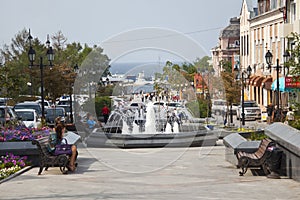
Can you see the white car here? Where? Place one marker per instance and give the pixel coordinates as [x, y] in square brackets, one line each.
[29, 117]
[46, 103]
[251, 110]
[219, 106]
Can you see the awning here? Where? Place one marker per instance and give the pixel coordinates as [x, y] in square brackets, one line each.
[257, 81]
[267, 82]
[251, 80]
[282, 87]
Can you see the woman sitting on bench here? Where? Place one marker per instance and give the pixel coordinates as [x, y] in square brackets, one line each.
[60, 130]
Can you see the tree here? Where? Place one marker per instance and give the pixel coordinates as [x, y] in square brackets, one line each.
[232, 89]
[57, 79]
[294, 69]
[294, 61]
[203, 64]
[92, 69]
[15, 62]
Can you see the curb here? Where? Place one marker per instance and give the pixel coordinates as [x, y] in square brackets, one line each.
[25, 169]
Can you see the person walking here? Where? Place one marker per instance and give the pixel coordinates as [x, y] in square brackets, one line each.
[270, 109]
[105, 112]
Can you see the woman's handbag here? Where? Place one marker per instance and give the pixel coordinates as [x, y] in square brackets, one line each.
[63, 148]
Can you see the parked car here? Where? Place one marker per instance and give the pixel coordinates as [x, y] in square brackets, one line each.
[29, 117]
[251, 110]
[46, 103]
[53, 113]
[29, 105]
[219, 106]
[67, 111]
[137, 105]
[7, 114]
[159, 106]
[64, 102]
[174, 105]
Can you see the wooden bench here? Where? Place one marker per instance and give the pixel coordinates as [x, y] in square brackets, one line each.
[256, 159]
[49, 160]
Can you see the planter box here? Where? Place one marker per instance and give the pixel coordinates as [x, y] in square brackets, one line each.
[21, 148]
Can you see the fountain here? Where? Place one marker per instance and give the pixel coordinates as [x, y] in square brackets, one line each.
[132, 128]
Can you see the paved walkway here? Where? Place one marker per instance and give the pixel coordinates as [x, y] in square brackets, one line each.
[173, 173]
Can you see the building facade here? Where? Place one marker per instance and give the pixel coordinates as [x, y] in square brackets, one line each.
[228, 49]
[265, 26]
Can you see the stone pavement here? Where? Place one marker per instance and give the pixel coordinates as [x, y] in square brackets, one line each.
[171, 173]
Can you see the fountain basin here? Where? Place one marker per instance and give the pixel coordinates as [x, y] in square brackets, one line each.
[182, 139]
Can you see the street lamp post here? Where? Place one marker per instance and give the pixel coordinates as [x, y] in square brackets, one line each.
[243, 73]
[50, 57]
[269, 58]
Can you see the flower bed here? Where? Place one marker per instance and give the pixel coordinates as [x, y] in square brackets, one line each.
[17, 140]
[10, 164]
[22, 133]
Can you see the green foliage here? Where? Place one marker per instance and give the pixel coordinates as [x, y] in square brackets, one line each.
[294, 69]
[257, 136]
[95, 105]
[226, 65]
[200, 108]
[296, 123]
[232, 88]
[294, 62]
[58, 79]
[202, 64]
[100, 102]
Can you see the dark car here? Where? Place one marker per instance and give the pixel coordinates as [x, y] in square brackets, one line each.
[53, 113]
[7, 114]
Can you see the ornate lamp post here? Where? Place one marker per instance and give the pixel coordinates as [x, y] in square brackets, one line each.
[269, 58]
[50, 57]
[246, 72]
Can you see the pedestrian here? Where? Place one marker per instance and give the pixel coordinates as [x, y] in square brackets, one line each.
[105, 113]
[270, 109]
[290, 116]
[91, 122]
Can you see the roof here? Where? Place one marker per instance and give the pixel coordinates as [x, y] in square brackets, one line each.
[251, 7]
[232, 30]
[28, 103]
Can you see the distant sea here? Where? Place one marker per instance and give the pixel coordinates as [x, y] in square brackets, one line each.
[133, 68]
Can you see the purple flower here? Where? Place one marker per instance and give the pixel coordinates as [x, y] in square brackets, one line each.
[21, 133]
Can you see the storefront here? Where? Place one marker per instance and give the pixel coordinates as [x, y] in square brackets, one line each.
[289, 88]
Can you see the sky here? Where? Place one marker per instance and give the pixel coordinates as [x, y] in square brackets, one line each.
[153, 26]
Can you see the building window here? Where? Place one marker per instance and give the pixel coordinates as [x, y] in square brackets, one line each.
[245, 53]
[247, 45]
[293, 11]
[267, 7]
[261, 7]
[242, 45]
[273, 4]
[281, 3]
